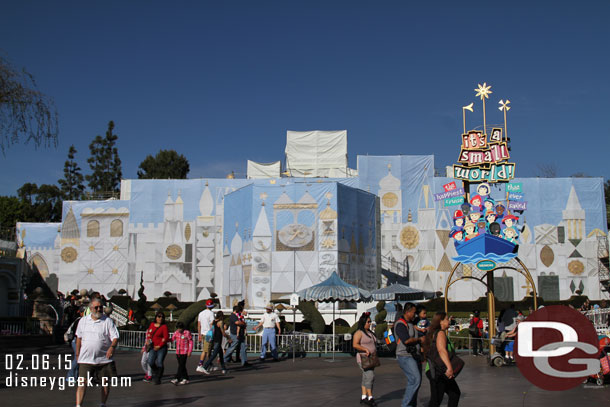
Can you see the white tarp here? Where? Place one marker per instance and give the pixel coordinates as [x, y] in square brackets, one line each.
[263, 170]
[316, 153]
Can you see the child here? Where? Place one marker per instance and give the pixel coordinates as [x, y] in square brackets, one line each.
[145, 366]
[184, 347]
[510, 234]
[475, 202]
[421, 321]
[489, 204]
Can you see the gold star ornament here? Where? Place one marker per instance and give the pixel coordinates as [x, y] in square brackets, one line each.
[483, 91]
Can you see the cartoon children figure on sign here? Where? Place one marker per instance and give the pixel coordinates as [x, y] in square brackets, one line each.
[476, 202]
[500, 211]
[509, 220]
[458, 218]
[471, 231]
[458, 235]
[495, 229]
[488, 204]
[510, 234]
[483, 190]
[475, 214]
[490, 217]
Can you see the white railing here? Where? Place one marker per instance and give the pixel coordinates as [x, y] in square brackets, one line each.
[303, 342]
[600, 319]
[20, 327]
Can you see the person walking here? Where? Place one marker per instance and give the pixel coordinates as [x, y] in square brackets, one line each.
[475, 329]
[205, 321]
[70, 338]
[269, 321]
[157, 337]
[237, 332]
[184, 347]
[219, 333]
[365, 343]
[437, 348]
[96, 340]
[408, 354]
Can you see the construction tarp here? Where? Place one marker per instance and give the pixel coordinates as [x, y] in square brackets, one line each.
[263, 170]
[317, 153]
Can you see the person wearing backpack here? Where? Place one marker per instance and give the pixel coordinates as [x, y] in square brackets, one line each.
[475, 329]
[408, 354]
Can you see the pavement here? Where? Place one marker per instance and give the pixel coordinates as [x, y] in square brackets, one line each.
[308, 382]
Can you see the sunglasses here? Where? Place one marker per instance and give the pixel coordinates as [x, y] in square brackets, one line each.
[98, 307]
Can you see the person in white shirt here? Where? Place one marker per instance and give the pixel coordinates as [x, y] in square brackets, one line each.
[269, 321]
[96, 340]
[205, 321]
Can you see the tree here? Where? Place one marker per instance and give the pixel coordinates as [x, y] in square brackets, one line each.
[71, 185]
[547, 171]
[167, 164]
[11, 212]
[105, 163]
[26, 114]
[40, 204]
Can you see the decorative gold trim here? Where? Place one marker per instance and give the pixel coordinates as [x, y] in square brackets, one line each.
[295, 206]
[69, 254]
[173, 252]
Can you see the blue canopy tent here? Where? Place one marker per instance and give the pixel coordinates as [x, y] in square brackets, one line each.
[331, 290]
[400, 292]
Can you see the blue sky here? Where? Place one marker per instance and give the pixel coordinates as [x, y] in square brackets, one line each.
[221, 82]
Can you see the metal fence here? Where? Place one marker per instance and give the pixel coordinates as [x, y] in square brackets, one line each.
[31, 327]
[600, 318]
[302, 342]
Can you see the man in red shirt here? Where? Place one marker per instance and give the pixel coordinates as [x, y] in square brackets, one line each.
[476, 332]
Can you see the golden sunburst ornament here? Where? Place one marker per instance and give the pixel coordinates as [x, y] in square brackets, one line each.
[483, 91]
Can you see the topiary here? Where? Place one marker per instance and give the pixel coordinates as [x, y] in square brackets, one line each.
[189, 316]
[312, 315]
[380, 323]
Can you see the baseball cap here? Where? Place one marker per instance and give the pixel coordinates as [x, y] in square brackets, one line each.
[209, 304]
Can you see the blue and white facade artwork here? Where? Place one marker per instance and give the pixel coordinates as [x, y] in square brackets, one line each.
[262, 239]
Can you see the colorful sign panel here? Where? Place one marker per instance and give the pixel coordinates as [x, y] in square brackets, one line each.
[483, 161]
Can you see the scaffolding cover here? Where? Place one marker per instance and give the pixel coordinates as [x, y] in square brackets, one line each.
[317, 153]
[263, 170]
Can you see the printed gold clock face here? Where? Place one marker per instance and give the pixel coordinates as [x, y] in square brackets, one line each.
[389, 200]
[295, 235]
[409, 237]
[69, 254]
[173, 252]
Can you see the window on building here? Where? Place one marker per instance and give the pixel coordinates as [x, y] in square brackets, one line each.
[93, 228]
[116, 228]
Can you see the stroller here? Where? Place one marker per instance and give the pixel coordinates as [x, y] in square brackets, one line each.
[604, 358]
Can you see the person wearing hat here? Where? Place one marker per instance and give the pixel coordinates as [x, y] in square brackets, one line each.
[458, 218]
[269, 322]
[500, 211]
[476, 202]
[205, 322]
[458, 235]
[509, 220]
[489, 204]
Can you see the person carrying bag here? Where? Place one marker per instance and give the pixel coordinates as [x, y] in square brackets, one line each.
[365, 343]
[443, 365]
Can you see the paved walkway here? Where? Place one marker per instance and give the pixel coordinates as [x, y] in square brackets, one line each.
[308, 382]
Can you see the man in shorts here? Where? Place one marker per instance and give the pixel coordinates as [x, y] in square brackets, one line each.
[96, 340]
[205, 320]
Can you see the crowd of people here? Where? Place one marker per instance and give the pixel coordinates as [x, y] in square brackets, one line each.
[422, 347]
